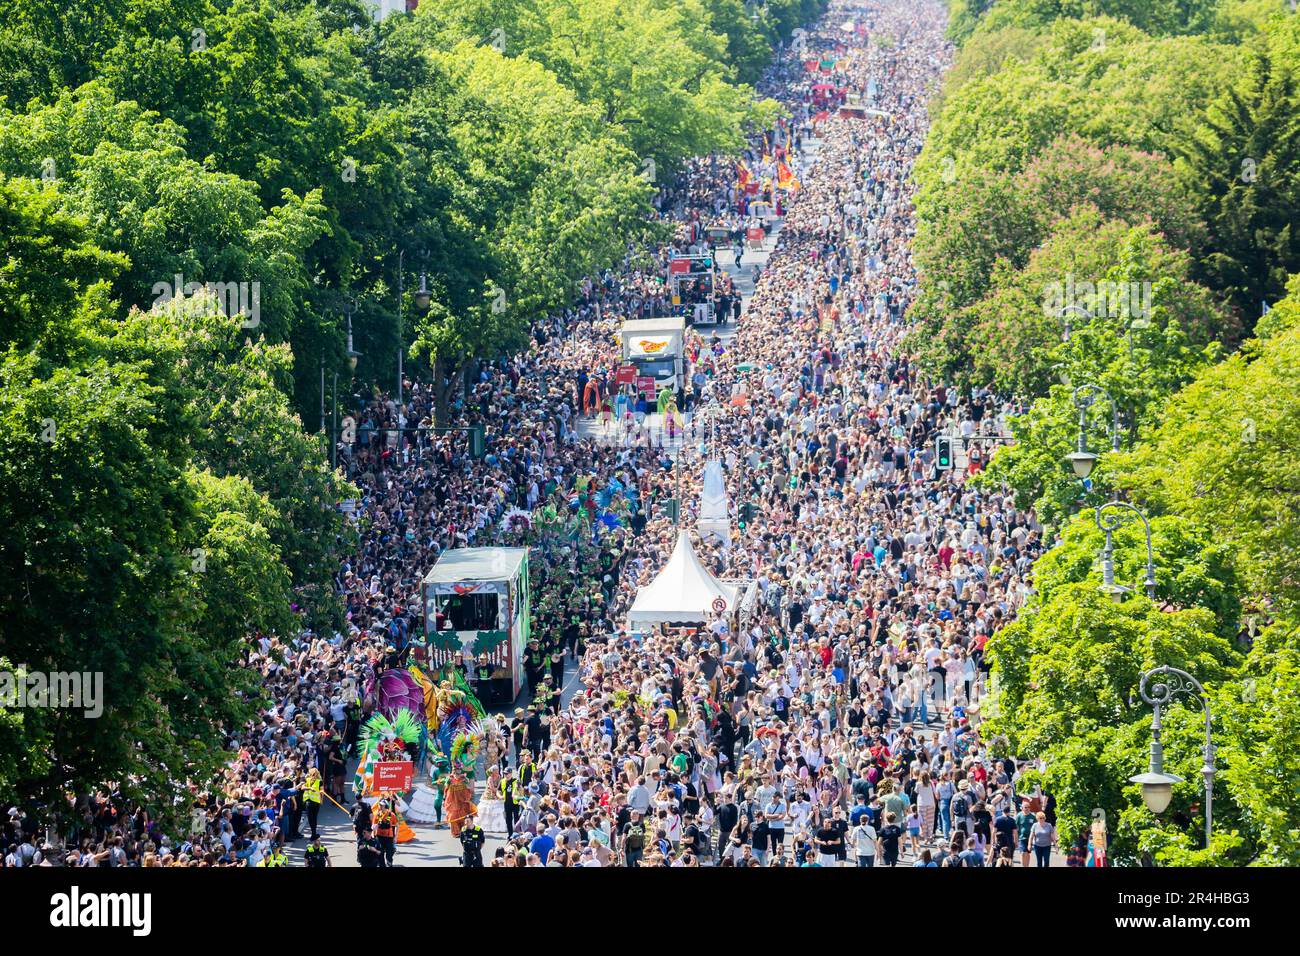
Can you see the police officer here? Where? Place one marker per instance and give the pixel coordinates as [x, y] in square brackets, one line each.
[275, 858]
[316, 856]
[512, 795]
[472, 838]
[311, 795]
[369, 855]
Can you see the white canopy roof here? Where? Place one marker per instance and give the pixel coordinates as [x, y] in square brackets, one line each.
[476, 564]
[683, 592]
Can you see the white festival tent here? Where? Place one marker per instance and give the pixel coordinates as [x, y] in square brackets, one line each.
[714, 521]
[684, 592]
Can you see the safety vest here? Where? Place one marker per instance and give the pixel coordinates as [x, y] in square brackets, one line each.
[387, 826]
[311, 790]
[276, 858]
[315, 856]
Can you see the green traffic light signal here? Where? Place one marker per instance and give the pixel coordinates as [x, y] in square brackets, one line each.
[943, 451]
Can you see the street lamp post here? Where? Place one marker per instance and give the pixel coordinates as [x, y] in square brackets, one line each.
[1065, 311]
[349, 307]
[422, 297]
[1108, 525]
[1157, 786]
[1081, 459]
[401, 256]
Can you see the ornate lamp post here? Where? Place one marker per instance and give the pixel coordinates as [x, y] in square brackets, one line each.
[1157, 786]
[1109, 525]
[421, 298]
[1081, 459]
[1065, 311]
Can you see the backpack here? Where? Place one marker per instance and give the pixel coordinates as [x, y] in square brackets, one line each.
[635, 838]
[960, 807]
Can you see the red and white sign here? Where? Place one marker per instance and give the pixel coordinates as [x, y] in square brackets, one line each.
[392, 776]
[719, 605]
[646, 384]
[626, 375]
[678, 266]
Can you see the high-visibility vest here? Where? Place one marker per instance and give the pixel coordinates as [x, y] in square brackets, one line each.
[311, 790]
[276, 858]
[387, 825]
[314, 856]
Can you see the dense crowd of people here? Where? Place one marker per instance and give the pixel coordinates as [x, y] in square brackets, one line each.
[839, 725]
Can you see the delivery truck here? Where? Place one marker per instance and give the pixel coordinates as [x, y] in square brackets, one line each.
[657, 348]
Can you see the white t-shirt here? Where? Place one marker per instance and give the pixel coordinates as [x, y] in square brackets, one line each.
[864, 839]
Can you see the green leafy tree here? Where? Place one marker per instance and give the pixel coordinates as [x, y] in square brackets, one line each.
[1067, 671]
[1224, 455]
[1244, 165]
[656, 69]
[47, 261]
[125, 555]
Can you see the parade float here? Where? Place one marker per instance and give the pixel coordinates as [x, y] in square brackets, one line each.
[476, 612]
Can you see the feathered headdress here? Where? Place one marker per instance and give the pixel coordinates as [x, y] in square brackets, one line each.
[404, 727]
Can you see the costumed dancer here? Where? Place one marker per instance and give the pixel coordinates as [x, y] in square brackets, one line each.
[461, 740]
[383, 739]
[492, 808]
[427, 801]
[460, 800]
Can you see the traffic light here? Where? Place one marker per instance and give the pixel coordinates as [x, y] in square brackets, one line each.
[476, 449]
[747, 512]
[943, 452]
[671, 507]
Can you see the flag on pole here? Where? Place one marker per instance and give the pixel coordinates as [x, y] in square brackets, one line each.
[785, 178]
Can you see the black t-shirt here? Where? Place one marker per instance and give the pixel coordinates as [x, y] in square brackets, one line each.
[842, 828]
[368, 853]
[1006, 828]
[690, 837]
[829, 839]
[709, 666]
[889, 838]
[728, 814]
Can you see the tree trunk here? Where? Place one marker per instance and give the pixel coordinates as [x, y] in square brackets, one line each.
[440, 410]
[445, 385]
